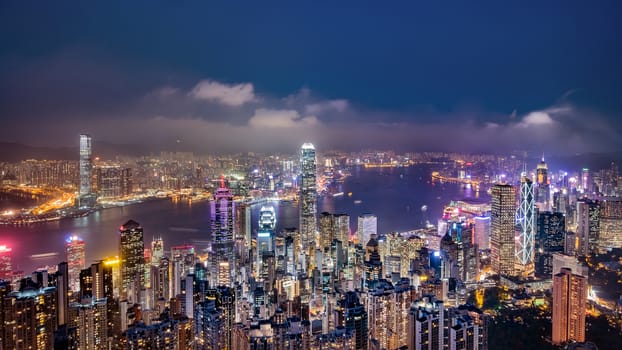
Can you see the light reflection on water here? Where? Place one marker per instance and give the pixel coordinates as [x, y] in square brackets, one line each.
[395, 196]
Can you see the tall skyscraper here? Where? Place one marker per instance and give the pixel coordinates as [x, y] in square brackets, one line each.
[353, 316]
[588, 226]
[308, 197]
[6, 267]
[526, 221]
[542, 180]
[549, 239]
[86, 197]
[76, 259]
[132, 256]
[222, 258]
[367, 226]
[502, 243]
[569, 299]
[610, 235]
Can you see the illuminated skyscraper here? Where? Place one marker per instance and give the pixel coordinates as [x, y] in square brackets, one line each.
[502, 245]
[222, 255]
[353, 316]
[549, 239]
[569, 299]
[588, 226]
[610, 235]
[6, 267]
[308, 197]
[333, 226]
[132, 256]
[526, 221]
[76, 259]
[367, 226]
[86, 197]
[542, 179]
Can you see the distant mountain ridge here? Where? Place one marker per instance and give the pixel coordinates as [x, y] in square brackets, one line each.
[15, 152]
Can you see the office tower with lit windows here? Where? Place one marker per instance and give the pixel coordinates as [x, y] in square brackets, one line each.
[86, 197]
[60, 280]
[588, 226]
[333, 226]
[76, 259]
[308, 198]
[113, 181]
[367, 226]
[550, 238]
[132, 260]
[526, 221]
[352, 315]
[6, 266]
[569, 300]
[610, 219]
[502, 243]
[222, 257]
[543, 191]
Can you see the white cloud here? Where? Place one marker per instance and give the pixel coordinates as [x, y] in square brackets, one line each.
[280, 118]
[319, 107]
[226, 94]
[538, 118]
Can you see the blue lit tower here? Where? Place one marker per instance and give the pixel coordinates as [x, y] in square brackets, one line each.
[308, 197]
[526, 222]
[222, 258]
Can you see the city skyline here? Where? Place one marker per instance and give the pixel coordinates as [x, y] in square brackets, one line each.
[293, 175]
[547, 74]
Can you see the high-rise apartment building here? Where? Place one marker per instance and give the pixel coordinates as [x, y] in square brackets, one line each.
[29, 319]
[91, 322]
[132, 259]
[308, 197]
[569, 299]
[502, 243]
[431, 325]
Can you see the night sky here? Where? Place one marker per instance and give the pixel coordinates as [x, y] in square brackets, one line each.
[492, 76]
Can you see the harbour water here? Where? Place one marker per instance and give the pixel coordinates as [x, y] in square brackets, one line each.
[397, 196]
